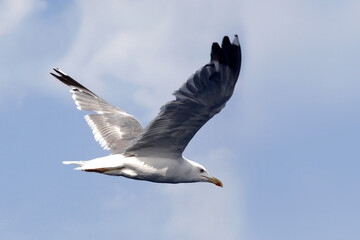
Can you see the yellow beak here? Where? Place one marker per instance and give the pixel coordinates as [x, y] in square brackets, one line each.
[215, 181]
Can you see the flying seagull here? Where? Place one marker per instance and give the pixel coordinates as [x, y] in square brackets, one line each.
[155, 153]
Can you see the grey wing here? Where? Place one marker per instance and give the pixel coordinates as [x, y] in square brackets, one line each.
[113, 128]
[202, 96]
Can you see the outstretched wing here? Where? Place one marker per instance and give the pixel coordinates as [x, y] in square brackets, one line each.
[113, 128]
[202, 96]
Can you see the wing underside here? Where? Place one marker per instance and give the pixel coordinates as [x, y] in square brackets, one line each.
[202, 96]
[113, 128]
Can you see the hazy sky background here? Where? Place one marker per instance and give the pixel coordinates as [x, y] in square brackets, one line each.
[286, 146]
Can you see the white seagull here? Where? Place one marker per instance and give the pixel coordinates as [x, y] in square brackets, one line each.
[155, 153]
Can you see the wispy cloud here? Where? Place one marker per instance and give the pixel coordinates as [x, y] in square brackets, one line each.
[157, 49]
[14, 12]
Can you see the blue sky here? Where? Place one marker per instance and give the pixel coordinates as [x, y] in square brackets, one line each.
[286, 146]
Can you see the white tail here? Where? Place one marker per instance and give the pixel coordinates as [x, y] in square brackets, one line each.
[80, 163]
[101, 164]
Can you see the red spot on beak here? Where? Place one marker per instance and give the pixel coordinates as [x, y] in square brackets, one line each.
[219, 184]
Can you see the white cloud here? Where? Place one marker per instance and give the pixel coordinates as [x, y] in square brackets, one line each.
[13, 12]
[297, 30]
[156, 48]
[297, 55]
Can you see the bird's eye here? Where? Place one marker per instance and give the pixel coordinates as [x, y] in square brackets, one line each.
[202, 170]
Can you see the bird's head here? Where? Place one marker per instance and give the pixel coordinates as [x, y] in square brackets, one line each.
[202, 175]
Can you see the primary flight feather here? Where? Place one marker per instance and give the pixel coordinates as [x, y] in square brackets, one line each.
[155, 153]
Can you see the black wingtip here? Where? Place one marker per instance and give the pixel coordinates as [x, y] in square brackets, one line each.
[54, 75]
[228, 54]
[216, 52]
[61, 76]
[58, 71]
[66, 79]
[236, 41]
[225, 42]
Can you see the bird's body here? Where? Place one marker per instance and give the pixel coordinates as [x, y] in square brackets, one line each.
[155, 153]
[154, 169]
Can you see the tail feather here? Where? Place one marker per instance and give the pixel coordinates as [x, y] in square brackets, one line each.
[100, 165]
[79, 163]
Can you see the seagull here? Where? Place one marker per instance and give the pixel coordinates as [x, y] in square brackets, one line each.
[155, 153]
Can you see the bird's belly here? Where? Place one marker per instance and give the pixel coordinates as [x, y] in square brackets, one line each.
[140, 168]
[150, 169]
